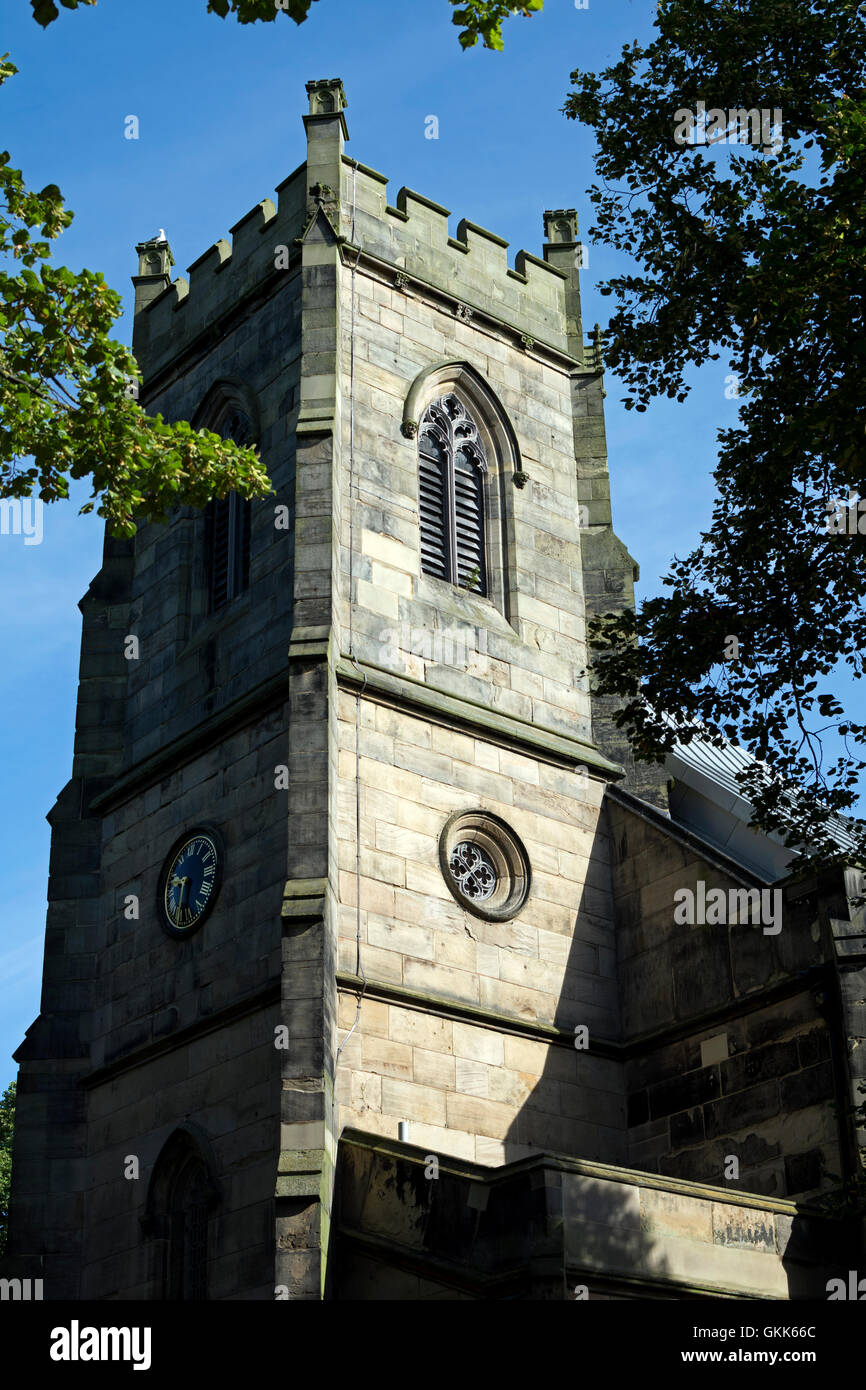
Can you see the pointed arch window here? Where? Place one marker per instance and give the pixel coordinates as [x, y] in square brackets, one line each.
[181, 1200]
[188, 1219]
[451, 469]
[227, 525]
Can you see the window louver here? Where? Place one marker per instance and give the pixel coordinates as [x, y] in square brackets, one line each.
[469, 520]
[433, 496]
[451, 468]
[228, 528]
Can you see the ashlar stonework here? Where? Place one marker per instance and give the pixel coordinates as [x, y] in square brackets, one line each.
[349, 1082]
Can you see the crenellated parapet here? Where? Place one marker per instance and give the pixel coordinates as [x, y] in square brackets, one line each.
[171, 315]
[538, 297]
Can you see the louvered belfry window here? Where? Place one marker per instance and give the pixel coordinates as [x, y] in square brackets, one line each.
[451, 468]
[228, 526]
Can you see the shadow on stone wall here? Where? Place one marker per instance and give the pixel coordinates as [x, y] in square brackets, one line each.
[408, 1229]
[814, 1251]
[570, 1091]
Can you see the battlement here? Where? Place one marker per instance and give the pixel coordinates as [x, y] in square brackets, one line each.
[171, 315]
[537, 297]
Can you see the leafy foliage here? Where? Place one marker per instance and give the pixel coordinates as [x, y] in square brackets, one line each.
[45, 11]
[7, 1128]
[483, 19]
[761, 256]
[65, 407]
[479, 18]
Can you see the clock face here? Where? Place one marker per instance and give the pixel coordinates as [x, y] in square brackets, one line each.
[189, 881]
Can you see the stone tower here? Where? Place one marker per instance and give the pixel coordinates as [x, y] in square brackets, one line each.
[363, 700]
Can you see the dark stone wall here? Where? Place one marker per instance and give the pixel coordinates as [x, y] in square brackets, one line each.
[118, 991]
[171, 1007]
[764, 1087]
[769, 1104]
[49, 1158]
[193, 663]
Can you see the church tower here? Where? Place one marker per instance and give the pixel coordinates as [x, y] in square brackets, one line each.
[333, 883]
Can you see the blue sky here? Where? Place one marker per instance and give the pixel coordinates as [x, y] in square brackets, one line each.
[219, 108]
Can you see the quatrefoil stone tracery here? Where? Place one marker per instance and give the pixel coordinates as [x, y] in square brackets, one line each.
[472, 870]
[484, 864]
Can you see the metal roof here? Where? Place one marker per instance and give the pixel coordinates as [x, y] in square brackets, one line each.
[720, 766]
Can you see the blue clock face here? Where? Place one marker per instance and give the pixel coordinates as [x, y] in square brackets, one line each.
[190, 882]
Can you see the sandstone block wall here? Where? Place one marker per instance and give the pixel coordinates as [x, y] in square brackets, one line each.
[469, 1087]
[532, 632]
[548, 1228]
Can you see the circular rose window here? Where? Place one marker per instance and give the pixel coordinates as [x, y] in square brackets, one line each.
[484, 864]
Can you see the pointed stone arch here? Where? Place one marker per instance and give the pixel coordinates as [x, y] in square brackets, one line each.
[504, 467]
[461, 377]
[221, 398]
[229, 409]
[182, 1196]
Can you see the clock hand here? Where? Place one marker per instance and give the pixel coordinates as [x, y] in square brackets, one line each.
[182, 884]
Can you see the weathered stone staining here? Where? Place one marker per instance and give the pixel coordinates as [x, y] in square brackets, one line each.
[697, 907]
[581, 1066]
